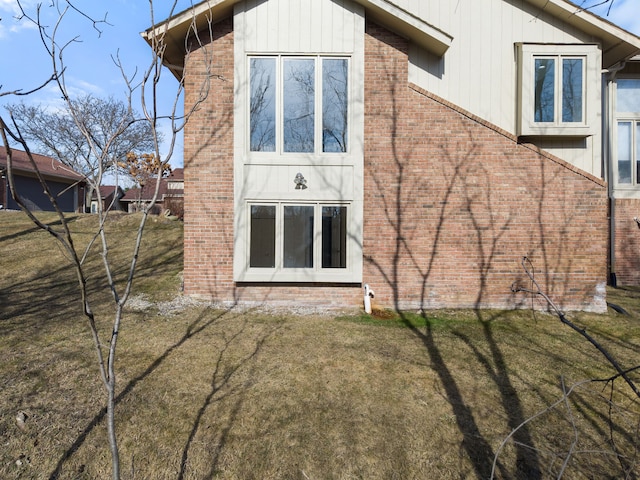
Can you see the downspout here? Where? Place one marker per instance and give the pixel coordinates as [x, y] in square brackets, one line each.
[3, 190]
[610, 76]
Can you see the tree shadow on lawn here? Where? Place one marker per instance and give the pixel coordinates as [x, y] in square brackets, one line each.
[51, 293]
[219, 378]
[34, 229]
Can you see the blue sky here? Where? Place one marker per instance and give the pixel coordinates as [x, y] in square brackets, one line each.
[23, 63]
[90, 68]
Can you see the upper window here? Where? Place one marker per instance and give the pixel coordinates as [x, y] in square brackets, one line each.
[628, 131]
[558, 89]
[298, 104]
[559, 92]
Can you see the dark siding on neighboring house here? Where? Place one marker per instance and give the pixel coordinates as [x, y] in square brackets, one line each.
[34, 197]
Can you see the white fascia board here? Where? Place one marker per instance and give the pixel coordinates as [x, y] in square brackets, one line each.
[405, 23]
[617, 43]
[170, 35]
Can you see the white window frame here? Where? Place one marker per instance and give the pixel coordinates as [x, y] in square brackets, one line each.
[624, 190]
[527, 54]
[333, 178]
[297, 275]
[279, 107]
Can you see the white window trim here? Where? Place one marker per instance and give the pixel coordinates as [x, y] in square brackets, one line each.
[280, 155]
[321, 170]
[350, 274]
[621, 190]
[526, 55]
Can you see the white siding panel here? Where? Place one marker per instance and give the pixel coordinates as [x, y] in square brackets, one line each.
[479, 70]
[584, 153]
[299, 26]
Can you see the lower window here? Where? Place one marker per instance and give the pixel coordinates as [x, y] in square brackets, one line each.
[308, 237]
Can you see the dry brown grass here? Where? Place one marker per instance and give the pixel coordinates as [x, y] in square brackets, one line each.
[252, 395]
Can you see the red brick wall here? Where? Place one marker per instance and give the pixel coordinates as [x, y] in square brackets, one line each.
[627, 242]
[452, 204]
[208, 169]
[459, 202]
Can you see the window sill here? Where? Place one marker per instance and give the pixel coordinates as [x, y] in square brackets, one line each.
[556, 131]
[272, 276]
[628, 192]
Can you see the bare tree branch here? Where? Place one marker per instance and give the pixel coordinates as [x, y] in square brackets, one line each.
[101, 137]
[527, 265]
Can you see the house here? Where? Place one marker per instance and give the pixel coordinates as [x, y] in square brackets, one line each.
[420, 148]
[110, 196]
[66, 185]
[170, 195]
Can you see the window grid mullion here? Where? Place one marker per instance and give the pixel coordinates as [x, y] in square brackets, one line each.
[318, 106]
[634, 153]
[558, 103]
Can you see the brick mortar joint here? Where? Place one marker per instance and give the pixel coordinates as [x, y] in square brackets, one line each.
[600, 182]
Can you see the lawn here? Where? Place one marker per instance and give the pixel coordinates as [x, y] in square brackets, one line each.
[205, 393]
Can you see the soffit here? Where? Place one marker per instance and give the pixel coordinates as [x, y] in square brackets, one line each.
[408, 25]
[174, 31]
[617, 44]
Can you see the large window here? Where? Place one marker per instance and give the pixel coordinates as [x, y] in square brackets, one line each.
[628, 131]
[310, 237]
[559, 92]
[298, 104]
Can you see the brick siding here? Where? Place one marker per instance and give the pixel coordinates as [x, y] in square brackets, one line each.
[453, 203]
[627, 242]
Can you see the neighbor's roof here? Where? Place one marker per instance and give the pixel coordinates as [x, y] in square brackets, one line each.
[145, 194]
[176, 175]
[106, 191]
[617, 43]
[47, 166]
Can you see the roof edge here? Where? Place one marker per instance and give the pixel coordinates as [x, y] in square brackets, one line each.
[618, 43]
[405, 23]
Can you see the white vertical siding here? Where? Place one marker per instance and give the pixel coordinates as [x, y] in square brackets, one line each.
[478, 72]
[299, 26]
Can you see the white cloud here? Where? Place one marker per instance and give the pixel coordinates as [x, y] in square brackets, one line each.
[10, 21]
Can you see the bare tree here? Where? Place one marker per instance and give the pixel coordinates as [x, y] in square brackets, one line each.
[100, 151]
[535, 289]
[113, 127]
[627, 463]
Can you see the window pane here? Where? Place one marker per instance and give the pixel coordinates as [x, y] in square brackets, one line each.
[636, 153]
[263, 236]
[624, 152]
[628, 97]
[544, 89]
[262, 108]
[572, 89]
[334, 105]
[334, 237]
[298, 237]
[299, 106]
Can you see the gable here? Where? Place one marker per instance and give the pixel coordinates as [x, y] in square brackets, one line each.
[426, 24]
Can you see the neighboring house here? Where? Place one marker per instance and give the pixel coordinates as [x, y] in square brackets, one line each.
[422, 148]
[66, 185]
[110, 196]
[170, 195]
